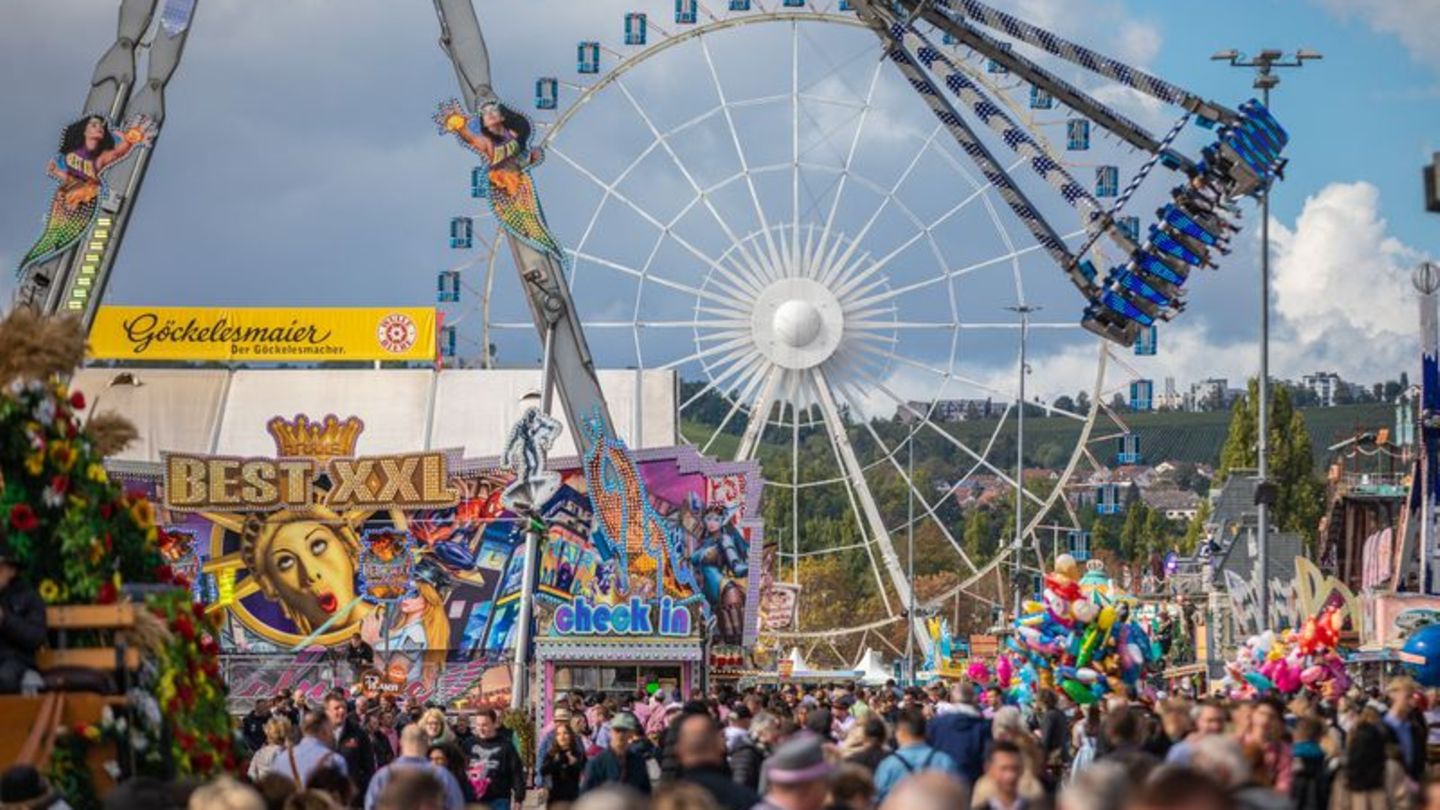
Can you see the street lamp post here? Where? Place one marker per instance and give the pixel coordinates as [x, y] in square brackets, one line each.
[1024, 311]
[1265, 64]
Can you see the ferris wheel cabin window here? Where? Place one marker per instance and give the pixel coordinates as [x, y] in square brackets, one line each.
[635, 28]
[1041, 99]
[588, 57]
[1077, 135]
[462, 233]
[687, 11]
[1147, 342]
[447, 341]
[447, 286]
[479, 182]
[1107, 181]
[547, 89]
[739, 5]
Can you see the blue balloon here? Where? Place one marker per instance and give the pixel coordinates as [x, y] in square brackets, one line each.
[1425, 642]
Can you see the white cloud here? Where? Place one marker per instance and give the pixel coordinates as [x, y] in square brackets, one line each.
[1414, 22]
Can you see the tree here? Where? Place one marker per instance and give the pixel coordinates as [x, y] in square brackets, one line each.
[1082, 402]
[1292, 467]
[979, 539]
[1196, 530]
[1064, 403]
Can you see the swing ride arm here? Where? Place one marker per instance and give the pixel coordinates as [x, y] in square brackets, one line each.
[571, 367]
[74, 281]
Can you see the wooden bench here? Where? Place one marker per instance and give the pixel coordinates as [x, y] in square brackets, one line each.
[28, 725]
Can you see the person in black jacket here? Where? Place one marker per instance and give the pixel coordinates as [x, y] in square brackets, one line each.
[700, 749]
[619, 762]
[359, 655]
[22, 622]
[351, 741]
[494, 754]
[564, 762]
[253, 725]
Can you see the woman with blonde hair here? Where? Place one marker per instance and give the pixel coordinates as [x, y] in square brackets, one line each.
[225, 794]
[277, 736]
[437, 731]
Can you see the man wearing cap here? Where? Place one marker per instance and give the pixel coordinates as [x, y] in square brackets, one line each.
[618, 763]
[797, 776]
[22, 622]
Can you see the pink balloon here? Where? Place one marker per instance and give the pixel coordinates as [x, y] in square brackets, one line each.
[978, 672]
[1312, 674]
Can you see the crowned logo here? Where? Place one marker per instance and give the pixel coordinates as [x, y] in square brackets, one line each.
[322, 440]
[396, 333]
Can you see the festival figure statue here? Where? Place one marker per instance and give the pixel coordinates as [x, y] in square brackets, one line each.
[722, 556]
[502, 137]
[87, 148]
[530, 441]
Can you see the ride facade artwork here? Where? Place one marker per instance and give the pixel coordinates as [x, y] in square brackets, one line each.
[88, 147]
[420, 556]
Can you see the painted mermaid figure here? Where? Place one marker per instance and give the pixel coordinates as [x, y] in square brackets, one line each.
[88, 148]
[501, 136]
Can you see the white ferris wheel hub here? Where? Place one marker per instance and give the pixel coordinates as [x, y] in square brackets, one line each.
[797, 323]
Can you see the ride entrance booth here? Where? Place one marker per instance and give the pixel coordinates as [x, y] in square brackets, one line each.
[619, 649]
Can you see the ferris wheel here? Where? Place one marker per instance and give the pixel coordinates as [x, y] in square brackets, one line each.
[754, 196]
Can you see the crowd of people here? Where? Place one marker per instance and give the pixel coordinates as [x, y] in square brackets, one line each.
[838, 747]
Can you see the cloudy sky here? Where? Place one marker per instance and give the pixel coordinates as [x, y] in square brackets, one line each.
[298, 166]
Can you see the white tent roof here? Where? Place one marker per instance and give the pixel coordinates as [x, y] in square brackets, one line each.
[873, 671]
[223, 412]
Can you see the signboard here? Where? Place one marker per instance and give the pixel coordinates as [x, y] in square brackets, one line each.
[264, 334]
[984, 646]
[636, 617]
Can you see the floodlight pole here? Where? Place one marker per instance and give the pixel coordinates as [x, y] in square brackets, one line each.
[1264, 66]
[1024, 311]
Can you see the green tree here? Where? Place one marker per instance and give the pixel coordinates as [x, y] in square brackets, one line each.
[979, 540]
[1196, 530]
[1299, 500]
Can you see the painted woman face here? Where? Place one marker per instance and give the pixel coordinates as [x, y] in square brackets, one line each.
[493, 121]
[94, 133]
[713, 523]
[313, 572]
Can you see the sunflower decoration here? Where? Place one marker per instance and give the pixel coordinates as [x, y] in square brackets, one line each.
[72, 526]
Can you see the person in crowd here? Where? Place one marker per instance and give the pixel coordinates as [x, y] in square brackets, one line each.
[225, 794]
[359, 656]
[464, 736]
[1000, 788]
[963, 734]
[312, 799]
[1123, 732]
[1223, 758]
[1054, 731]
[275, 742]
[1210, 719]
[562, 767]
[22, 622]
[1267, 732]
[912, 755]
[1369, 779]
[274, 788]
[352, 741]
[315, 750]
[380, 742]
[413, 789]
[448, 757]
[332, 783]
[1310, 780]
[618, 763]
[700, 749]
[252, 727]
[749, 752]
[797, 776]
[1084, 741]
[851, 788]
[414, 747]
[433, 722]
[874, 744]
[1430, 793]
[842, 716]
[503, 779]
[1178, 788]
[23, 788]
[994, 699]
[737, 726]
[1404, 731]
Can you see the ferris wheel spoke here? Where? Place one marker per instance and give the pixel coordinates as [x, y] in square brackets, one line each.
[759, 415]
[729, 363]
[885, 200]
[891, 454]
[703, 353]
[740, 153]
[746, 385]
[854, 145]
[661, 280]
[948, 436]
[794, 131]
[750, 281]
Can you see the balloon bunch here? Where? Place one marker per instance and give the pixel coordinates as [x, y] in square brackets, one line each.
[1286, 663]
[1081, 638]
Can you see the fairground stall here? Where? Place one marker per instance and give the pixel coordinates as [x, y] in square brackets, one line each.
[312, 508]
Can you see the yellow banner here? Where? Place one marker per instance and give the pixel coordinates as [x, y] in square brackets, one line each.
[263, 334]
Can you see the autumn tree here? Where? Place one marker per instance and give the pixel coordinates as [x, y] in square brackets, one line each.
[1299, 495]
